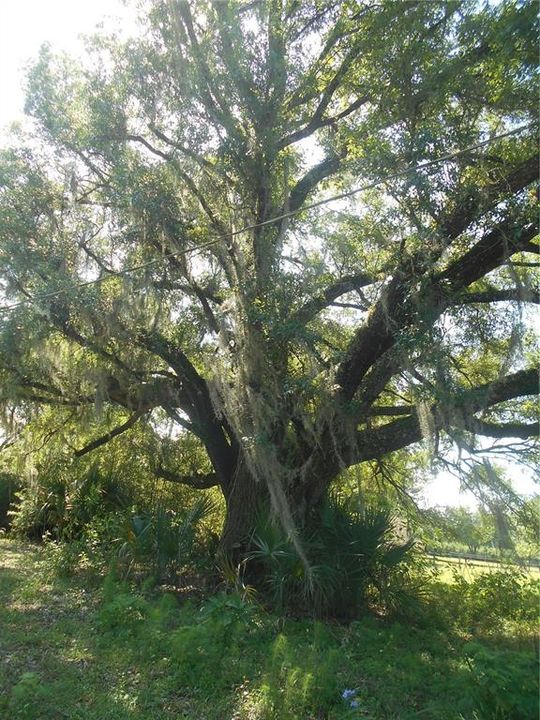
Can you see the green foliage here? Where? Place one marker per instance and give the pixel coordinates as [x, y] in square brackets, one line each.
[9, 486]
[162, 657]
[299, 674]
[229, 609]
[473, 529]
[162, 543]
[42, 510]
[90, 517]
[60, 504]
[31, 698]
[124, 614]
[154, 293]
[354, 561]
[491, 599]
[507, 686]
[458, 529]
[300, 677]
[64, 559]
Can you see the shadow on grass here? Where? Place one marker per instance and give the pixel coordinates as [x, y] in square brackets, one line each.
[67, 653]
[52, 664]
[396, 671]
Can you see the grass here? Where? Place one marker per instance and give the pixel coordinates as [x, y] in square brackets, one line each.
[79, 650]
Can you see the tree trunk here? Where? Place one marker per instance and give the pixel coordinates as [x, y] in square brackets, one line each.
[244, 499]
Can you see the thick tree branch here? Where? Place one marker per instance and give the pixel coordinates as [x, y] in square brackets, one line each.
[58, 402]
[470, 204]
[145, 396]
[374, 443]
[154, 150]
[208, 292]
[173, 356]
[375, 336]
[401, 305]
[391, 410]
[317, 122]
[95, 257]
[491, 251]
[27, 386]
[497, 295]
[503, 430]
[104, 439]
[198, 482]
[310, 181]
[198, 404]
[312, 307]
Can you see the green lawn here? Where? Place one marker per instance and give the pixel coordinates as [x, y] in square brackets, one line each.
[79, 650]
[470, 569]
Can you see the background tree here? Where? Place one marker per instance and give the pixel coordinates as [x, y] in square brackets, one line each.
[162, 259]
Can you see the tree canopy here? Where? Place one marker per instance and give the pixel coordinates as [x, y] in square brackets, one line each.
[164, 258]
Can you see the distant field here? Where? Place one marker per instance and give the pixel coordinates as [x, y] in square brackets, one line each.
[470, 568]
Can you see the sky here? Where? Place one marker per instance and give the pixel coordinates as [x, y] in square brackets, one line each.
[444, 489]
[26, 24]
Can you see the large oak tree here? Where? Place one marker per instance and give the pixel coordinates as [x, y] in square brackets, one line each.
[161, 253]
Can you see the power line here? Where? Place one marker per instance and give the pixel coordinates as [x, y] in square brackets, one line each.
[199, 248]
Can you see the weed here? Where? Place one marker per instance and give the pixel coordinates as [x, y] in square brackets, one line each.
[506, 685]
[163, 657]
[31, 698]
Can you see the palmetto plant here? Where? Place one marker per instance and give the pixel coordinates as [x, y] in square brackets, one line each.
[160, 542]
[9, 486]
[62, 504]
[352, 555]
[274, 557]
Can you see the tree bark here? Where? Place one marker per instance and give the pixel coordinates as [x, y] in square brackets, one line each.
[245, 498]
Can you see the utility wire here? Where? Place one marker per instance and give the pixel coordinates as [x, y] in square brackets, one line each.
[199, 248]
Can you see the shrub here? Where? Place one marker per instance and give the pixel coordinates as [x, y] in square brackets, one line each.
[62, 559]
[229, 608]
[123, 613]
[160, 543]
[93, 520]
[492, 598]
[506, 684]
[9, 486]
[60, 505]
[353, 557]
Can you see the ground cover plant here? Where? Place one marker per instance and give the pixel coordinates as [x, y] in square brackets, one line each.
[75, 648]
